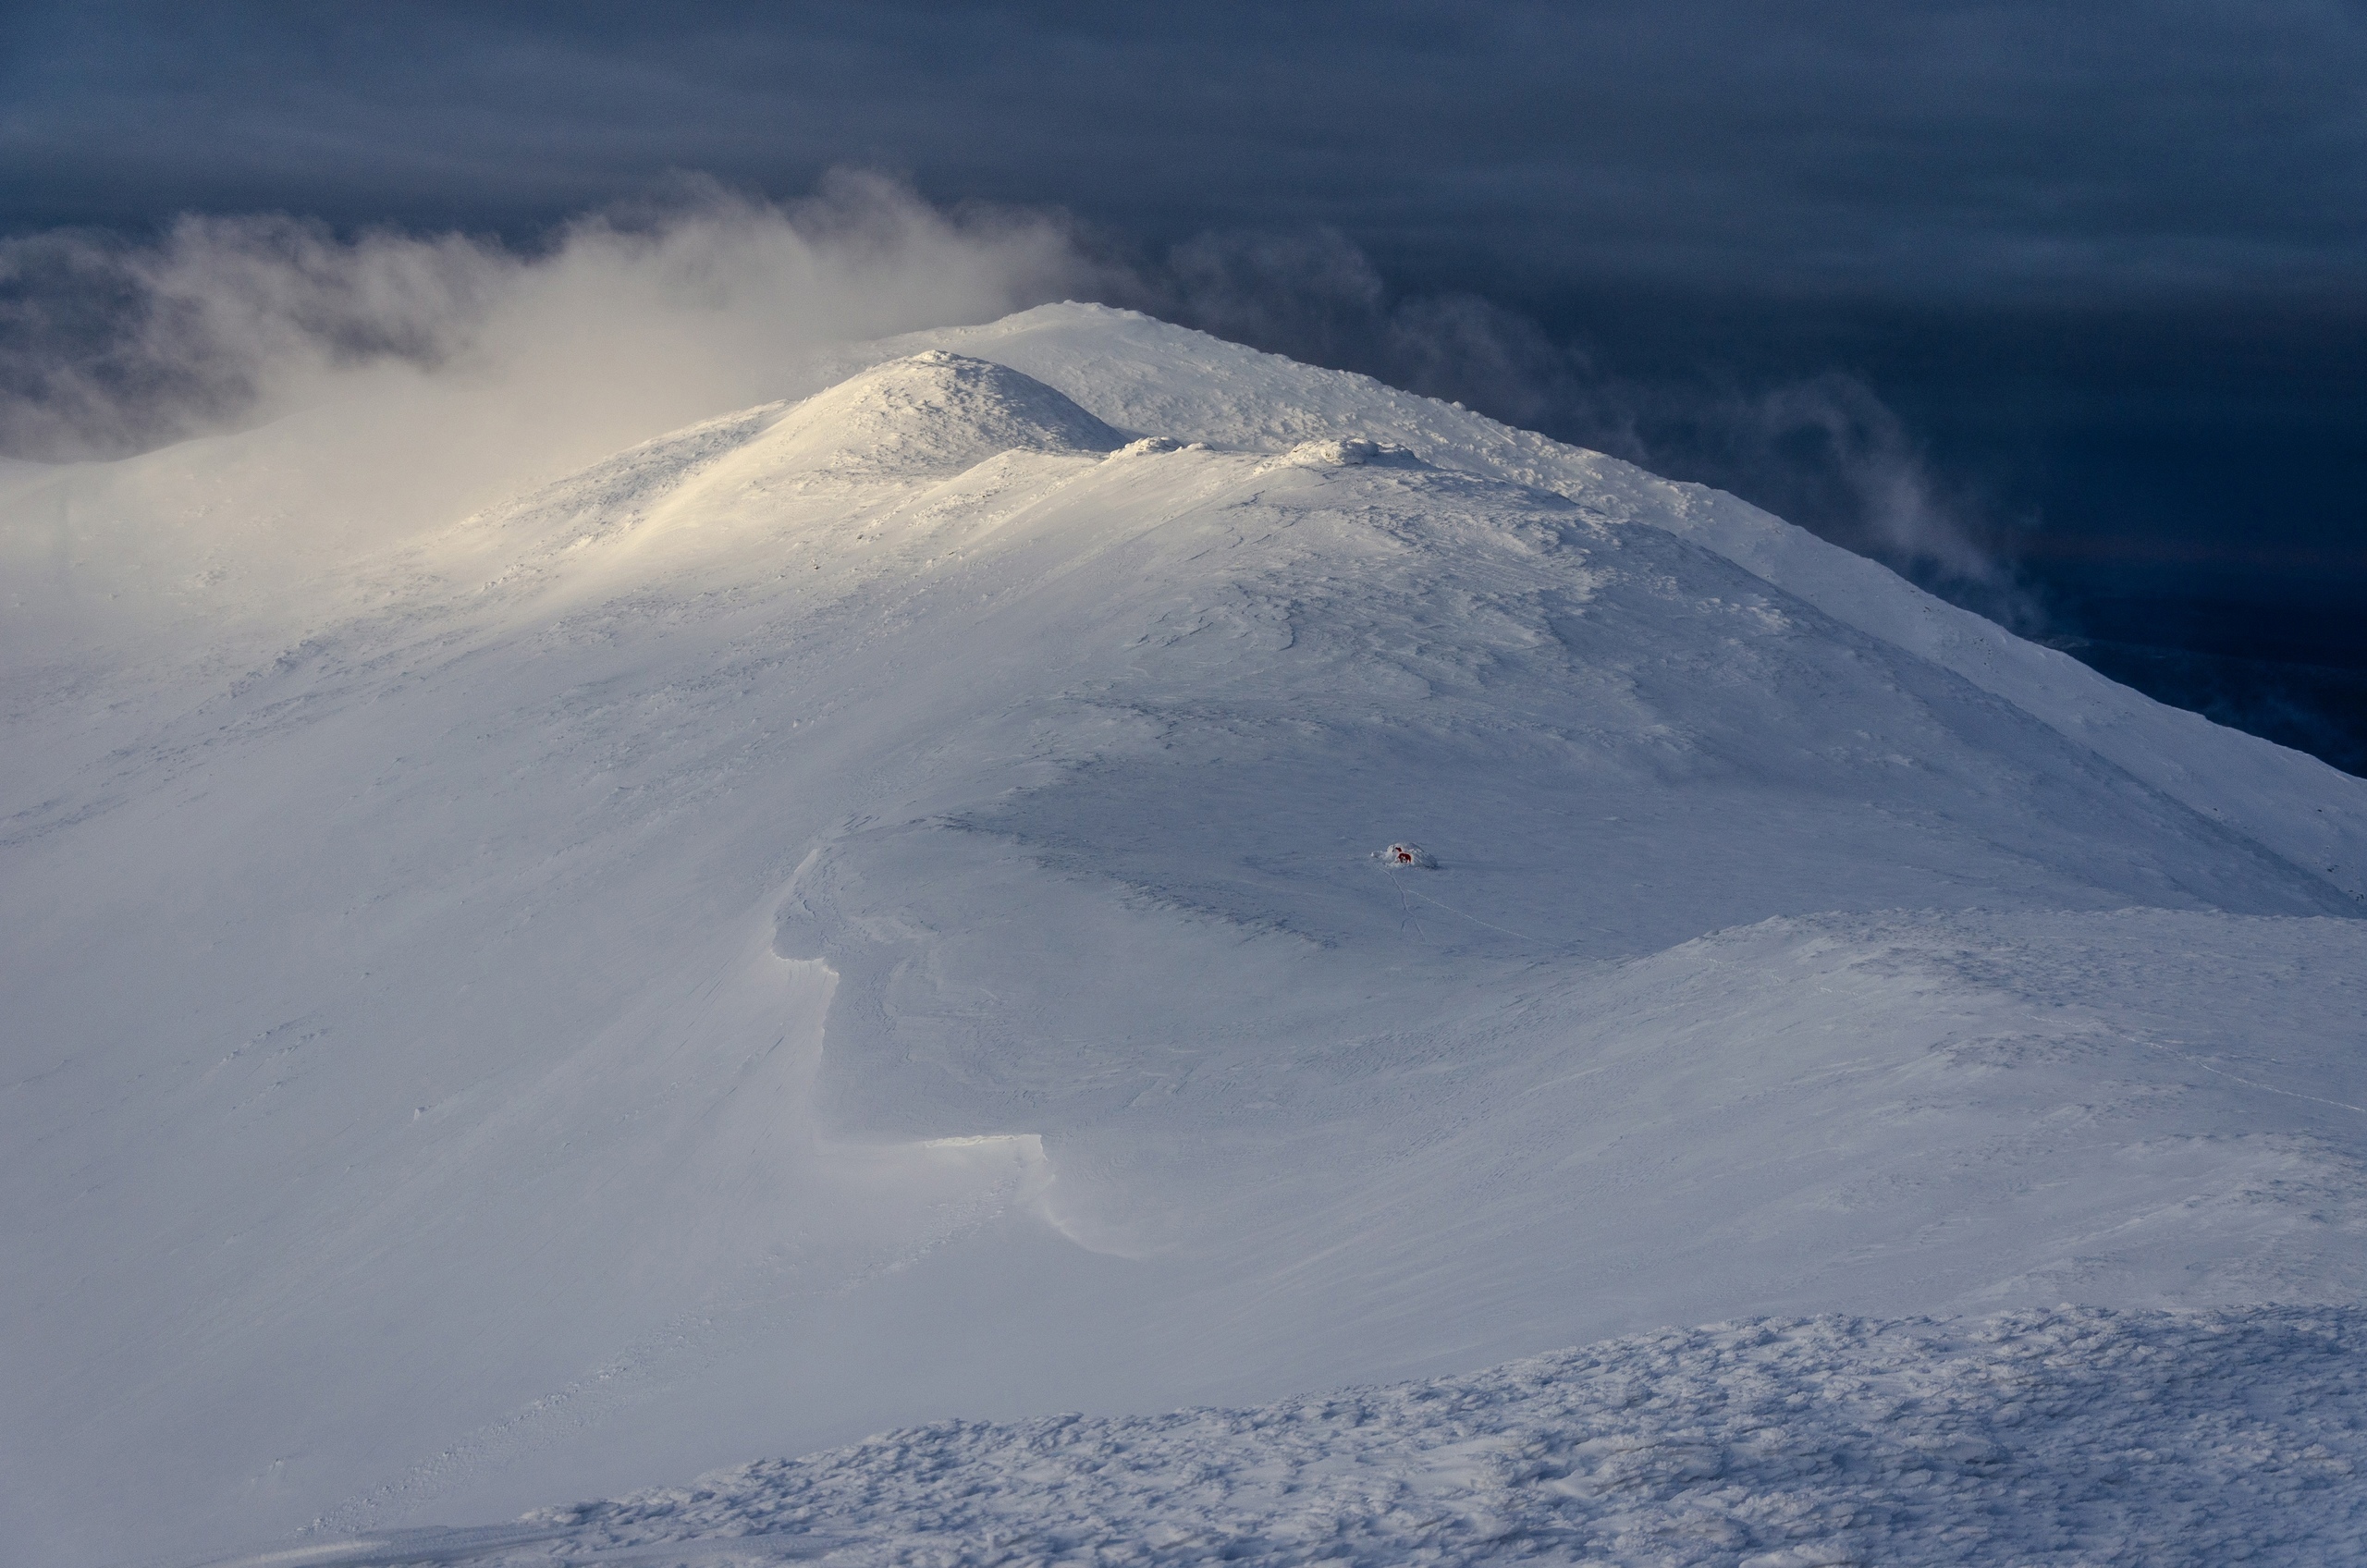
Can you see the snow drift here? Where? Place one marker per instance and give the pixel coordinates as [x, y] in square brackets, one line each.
[865, 910]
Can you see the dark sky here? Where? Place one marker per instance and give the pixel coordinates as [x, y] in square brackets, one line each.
[2098, 272]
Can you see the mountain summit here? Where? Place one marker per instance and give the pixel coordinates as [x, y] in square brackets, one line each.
[882, 905]
[930, 415]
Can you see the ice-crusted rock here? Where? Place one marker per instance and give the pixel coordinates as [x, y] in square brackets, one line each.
[1349, 451]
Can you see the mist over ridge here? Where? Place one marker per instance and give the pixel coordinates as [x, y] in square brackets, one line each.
[635, 319]
[514, 363]
[2055, 310]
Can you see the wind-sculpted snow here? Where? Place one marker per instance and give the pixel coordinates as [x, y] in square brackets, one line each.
[1134, 370]
[869, 908]
[2063, 1436]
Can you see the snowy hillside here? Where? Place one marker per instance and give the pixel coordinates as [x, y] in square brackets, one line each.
[870, 909]
[2071, 1437]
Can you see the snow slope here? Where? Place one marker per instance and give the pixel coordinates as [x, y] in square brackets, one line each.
[2077, 1436]
[865, 910]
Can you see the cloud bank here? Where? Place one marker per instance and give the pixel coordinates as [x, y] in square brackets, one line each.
[1960, 148]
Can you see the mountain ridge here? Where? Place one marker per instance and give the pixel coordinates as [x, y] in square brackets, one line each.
[799, 927]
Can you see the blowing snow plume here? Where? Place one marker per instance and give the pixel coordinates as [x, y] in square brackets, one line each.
[507, 365]
[512, 366]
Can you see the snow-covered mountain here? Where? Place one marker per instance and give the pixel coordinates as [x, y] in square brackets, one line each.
[873, 909]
